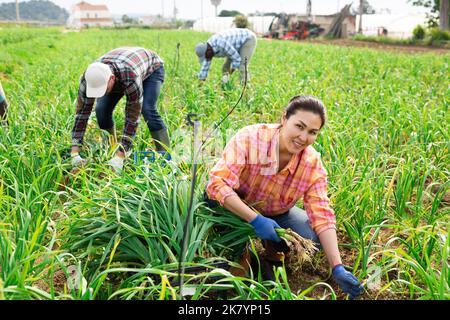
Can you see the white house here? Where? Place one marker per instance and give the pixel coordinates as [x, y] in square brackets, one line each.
[84, 14]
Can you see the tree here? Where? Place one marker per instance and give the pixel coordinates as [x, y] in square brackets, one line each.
[127, 20]
[365, 6]
[264, 14]
[229, 13]
[440, 13]
[444, 15]
[418, 33]
[216, 3]
[360, 11]
[36, 10]
[241, 21]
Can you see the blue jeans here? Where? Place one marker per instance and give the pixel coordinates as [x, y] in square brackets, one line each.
[297, 220]
[152, 87]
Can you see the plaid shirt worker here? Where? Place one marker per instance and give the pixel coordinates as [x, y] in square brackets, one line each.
[2, 95]
[131, 66]
[249, 168]
[3, 106]
[226, 44]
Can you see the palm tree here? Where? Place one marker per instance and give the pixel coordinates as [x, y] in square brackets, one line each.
[216, 3]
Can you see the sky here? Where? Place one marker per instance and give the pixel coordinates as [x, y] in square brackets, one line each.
[192, 9]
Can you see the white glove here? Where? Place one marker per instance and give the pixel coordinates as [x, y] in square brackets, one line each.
[225, 78]
[116, 163]
[77, 160]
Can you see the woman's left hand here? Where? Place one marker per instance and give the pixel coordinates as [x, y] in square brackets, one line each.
[347, 281]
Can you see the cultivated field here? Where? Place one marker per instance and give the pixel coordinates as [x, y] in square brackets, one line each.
[385, 146]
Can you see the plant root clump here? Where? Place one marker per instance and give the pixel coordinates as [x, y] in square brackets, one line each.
[301, 250]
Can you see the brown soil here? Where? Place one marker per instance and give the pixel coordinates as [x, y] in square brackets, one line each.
[59, 279]
[318, 271]
[445, 197]
[382, 46]
[59, 282]
[67, 179]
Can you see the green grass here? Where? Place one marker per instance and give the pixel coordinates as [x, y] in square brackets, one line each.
[434, 38]
[385, 146]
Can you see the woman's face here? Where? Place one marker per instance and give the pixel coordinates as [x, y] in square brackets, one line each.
[299, 131]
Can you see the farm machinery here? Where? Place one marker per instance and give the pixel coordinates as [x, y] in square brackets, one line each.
[291, 27]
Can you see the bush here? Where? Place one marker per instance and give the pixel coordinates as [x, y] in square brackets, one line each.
[439, 35]
[241, 21]
[418, 33]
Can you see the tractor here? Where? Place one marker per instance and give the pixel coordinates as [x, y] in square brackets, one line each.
[291, 27]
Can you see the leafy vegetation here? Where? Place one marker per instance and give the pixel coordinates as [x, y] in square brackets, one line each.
[431, 37]
[418, 33]
[434, 6]
[385, 146]
[36, 10]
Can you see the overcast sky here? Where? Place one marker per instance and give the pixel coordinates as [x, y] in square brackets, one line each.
[192, 9]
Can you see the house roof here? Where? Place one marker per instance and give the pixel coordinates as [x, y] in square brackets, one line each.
[84, 6]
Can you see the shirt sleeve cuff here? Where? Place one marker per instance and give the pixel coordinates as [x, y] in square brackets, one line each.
[224, 193]
[323, 228]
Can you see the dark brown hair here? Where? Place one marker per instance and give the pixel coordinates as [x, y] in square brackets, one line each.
[307, 103]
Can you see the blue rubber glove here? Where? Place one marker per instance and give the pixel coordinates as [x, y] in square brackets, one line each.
[265, 228]
[347, 281]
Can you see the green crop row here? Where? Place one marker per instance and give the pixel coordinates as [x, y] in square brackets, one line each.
[385, 146]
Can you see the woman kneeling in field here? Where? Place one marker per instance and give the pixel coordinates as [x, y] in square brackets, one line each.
[271, 167]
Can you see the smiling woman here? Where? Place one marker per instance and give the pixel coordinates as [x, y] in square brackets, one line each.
[301, 123]
[269, 167]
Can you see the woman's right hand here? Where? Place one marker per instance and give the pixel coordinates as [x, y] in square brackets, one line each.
[265, 228]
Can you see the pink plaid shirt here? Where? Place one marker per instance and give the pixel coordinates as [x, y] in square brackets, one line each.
[249, 168]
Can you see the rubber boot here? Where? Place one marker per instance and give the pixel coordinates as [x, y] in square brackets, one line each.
[3, 118]
[273, 258]
[271, 253]
[161, 139]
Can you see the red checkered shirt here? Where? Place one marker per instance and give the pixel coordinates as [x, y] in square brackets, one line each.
[131, 66]
[249, 168]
